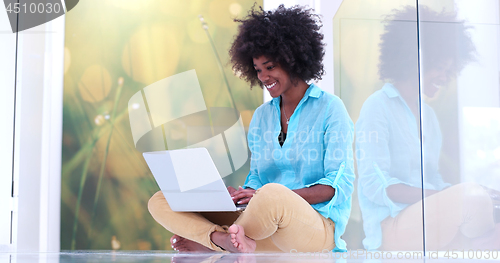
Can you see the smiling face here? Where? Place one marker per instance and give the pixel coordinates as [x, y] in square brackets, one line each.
[273, 77]
[438, 76]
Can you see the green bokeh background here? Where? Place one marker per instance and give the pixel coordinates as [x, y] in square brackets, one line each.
[113, 49]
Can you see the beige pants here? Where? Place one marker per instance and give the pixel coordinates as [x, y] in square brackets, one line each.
[452, 216]
[276, 218]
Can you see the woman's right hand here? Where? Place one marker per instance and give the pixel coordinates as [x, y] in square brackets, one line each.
[241, 196]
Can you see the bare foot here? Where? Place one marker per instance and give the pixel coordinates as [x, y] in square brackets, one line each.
[235, 241]
[241, 242]
[185, 245]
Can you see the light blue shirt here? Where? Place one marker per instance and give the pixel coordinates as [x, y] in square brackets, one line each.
[388, 152]
[317, 150]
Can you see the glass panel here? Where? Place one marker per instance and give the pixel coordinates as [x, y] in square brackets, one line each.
[376, 75]
[459, 43]
[111, 55]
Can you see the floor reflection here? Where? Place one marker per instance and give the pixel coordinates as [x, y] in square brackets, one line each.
[167, 257]
[162, 256]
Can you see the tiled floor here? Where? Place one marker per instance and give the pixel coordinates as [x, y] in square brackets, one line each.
[164, 257]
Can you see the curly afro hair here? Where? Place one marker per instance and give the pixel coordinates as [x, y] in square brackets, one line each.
[287, 36]
[438, 42]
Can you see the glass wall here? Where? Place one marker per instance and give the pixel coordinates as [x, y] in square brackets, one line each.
[420, 80]
[376, 63]
[460, 88]
[111, 53]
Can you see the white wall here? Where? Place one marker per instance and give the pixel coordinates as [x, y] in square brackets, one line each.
[479, 94]
[327, 9]
[38, 136]
[7, 84]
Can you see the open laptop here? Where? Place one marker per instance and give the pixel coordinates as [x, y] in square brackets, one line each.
[190, 181]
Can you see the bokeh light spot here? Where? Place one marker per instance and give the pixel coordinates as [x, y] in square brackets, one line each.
[99, 120]
[235, 9]
[95, 84]
[152, 53]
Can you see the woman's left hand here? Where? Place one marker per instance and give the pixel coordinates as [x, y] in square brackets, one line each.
[242, 196]
[231, 190]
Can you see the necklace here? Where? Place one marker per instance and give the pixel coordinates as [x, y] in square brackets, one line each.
[284, 112]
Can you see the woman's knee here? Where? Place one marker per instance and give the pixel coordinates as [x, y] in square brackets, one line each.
[476, 198]
[469, 188]
[271, 190]
[272, 196]
[157, 201]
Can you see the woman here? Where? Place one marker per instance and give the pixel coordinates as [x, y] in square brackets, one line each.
[301, 177]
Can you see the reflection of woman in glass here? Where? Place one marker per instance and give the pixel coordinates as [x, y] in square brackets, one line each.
[301, 176]
[388, 130]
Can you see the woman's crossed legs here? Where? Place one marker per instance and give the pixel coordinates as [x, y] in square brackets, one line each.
[276, 219]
